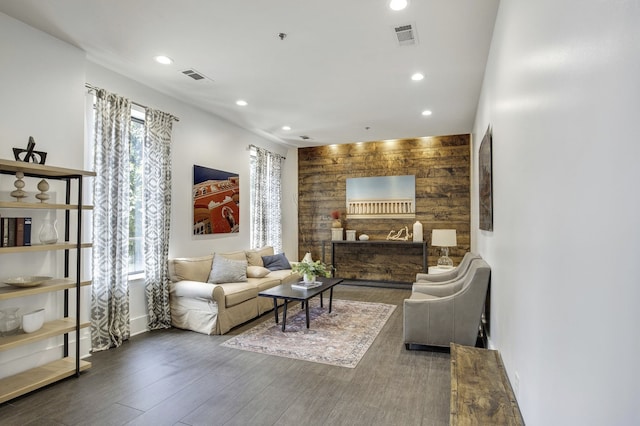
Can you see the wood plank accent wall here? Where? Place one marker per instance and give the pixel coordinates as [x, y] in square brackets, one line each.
[441, 166]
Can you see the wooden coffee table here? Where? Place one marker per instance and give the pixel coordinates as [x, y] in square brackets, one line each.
[288, 294]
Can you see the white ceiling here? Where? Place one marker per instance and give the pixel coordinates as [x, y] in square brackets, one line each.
[339, 70]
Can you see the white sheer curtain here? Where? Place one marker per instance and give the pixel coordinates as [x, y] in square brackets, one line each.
[156, 205]
[266, 199]
[110, 286]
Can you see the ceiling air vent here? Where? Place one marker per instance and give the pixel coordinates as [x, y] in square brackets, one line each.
[193, 74]
[305, 137]
[406, 34]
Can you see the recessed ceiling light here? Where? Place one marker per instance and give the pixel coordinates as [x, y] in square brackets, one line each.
[164, 60]
[398, 4]
[286, 128]
[241, 103]
[426, 112]
[417, 76]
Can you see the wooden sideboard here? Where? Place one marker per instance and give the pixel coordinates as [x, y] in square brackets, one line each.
[394, 251]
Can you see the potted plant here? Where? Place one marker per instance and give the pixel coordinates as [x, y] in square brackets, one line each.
[311, 270]
[335, 215]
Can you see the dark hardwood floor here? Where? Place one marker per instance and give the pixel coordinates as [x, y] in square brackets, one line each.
[177, 377]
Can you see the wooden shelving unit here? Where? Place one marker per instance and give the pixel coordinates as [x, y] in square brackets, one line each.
[42, 375]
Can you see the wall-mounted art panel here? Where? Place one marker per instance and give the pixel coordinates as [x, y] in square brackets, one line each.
[216, 201]
[381, 197]
[485, 182]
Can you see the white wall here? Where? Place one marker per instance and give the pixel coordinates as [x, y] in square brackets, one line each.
[41, 95]
[562, 93]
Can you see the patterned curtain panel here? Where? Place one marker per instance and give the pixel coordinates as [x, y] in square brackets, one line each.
[110, 288]
[156, 158]
[266, 200]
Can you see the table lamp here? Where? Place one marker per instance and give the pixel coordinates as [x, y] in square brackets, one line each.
[444, 238]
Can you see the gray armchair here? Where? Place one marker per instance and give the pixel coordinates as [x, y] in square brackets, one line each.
[453, 274]
[439, 314]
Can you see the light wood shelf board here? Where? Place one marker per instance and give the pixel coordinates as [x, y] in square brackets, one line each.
[43, 206]
[49, 329]
[35, 378]
[43, 247]
[42, 170]
[9, 292]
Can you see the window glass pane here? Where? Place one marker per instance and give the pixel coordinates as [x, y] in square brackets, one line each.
[136, 255]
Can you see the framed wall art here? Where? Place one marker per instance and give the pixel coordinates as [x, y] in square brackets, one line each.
[216, 201]
[382, 197]
[485, 184]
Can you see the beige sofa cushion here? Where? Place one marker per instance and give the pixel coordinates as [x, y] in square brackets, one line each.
[254, 257]
[236, 293]
[257, 271]
[234, 255]
[190, 268]
[285, 275]
[267, 283]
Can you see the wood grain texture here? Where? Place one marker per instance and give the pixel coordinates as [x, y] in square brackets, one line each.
[441, 166]
[480, 390]
[169, 377]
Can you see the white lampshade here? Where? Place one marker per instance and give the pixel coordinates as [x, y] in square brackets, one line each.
[443, 238]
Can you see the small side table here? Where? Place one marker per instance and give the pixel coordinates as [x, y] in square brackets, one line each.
[437, 270]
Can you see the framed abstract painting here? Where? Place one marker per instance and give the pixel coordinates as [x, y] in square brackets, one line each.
[216, 201]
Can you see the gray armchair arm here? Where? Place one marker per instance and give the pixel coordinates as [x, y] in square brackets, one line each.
[440, 290]
[444, 276]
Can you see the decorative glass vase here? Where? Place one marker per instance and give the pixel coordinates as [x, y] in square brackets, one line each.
[9, 321]
[48, 233]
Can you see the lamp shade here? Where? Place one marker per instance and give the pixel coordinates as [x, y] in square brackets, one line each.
[443, 238]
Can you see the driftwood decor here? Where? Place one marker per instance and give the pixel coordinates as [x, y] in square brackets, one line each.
[402, 235]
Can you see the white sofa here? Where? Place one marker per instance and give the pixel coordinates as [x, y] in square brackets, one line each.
[216, 308]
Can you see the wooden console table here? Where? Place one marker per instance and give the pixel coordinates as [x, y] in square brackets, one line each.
[480, 390]
[370, 243]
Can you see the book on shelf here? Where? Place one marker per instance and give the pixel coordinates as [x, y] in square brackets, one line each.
[12, 232]
[27, 231]
[19, 231]
[15, 231]
[4, 232]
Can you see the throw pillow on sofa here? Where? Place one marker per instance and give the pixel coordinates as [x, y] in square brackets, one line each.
[276, 262]
[254, 271]
[254, 257]
[190, 268]
[225, 270]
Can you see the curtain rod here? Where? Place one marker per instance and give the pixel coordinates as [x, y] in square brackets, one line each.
[275, 153]
[94, 88]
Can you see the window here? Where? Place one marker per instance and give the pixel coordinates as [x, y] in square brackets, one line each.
[265, 199]
[136, 139]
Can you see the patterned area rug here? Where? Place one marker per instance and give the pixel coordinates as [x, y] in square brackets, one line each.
[338, 338]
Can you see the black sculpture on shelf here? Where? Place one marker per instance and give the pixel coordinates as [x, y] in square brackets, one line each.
[38, 157]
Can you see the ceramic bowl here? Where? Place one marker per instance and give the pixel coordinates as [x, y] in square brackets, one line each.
[33, 321]
[26, 281]
[363, 237]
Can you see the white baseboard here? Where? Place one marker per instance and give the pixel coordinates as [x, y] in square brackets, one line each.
[138, 325]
